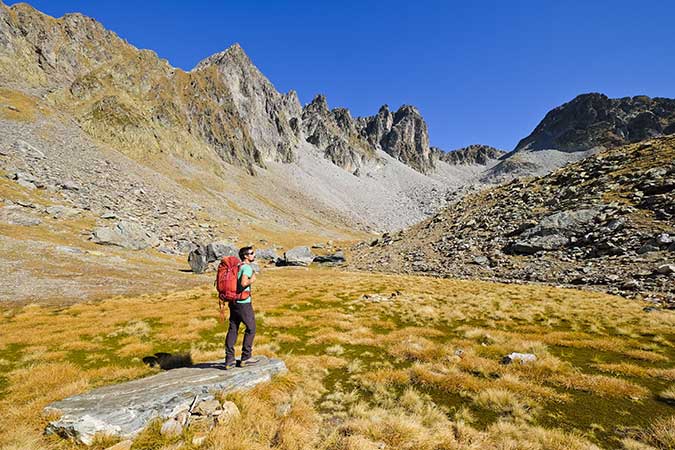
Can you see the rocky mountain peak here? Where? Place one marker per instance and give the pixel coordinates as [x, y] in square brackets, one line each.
[473, 154]
[408, 138]
[318, 105]
[233, 55]
[595, 121]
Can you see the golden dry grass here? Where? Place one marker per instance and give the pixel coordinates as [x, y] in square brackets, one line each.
[420, 370]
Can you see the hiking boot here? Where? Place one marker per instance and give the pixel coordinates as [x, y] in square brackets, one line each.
[249, 362]
[230, 365]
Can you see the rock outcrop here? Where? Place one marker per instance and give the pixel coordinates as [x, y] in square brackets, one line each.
[336, 134]
[581, 127]
[476, 154]
[125, 409]
[593, 121]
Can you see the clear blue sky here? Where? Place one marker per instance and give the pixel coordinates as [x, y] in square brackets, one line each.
[479, 71]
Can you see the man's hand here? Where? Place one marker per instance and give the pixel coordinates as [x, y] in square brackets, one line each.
[247, 281]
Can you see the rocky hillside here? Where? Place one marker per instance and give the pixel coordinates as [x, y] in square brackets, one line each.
[583, 126]
[595, 121]
[606, 223]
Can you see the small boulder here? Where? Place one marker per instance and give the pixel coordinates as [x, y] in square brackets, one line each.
[70, 185]
[229, 411]
[207, 408]
[298, 256]
[522, 358]
[171, 428]
[198, 260]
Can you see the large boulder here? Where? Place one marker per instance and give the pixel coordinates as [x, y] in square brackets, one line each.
[125, 234]
[198, 259]
[123, 410]
[298, 256]
[217, 250]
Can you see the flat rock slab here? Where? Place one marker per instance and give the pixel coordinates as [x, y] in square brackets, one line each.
[125, 409]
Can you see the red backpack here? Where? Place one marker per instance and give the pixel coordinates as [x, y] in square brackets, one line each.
[227, 283]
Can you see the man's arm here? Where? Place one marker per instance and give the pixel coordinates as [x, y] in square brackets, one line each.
[246, 281]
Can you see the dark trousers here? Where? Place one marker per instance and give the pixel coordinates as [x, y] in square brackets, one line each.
[240, 312]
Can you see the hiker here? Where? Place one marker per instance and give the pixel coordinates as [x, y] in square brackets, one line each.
[242, 311]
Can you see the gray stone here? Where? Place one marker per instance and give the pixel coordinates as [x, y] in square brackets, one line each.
[125, 234]
[124, 409]
[298, 256]
[207, 407]
[70, 185]
[171, 428]
[230, 411]
[666, 269]
[266, 253]
[198, 260]
[648, 248]
[663, 240]
[539, 243]
[217, 250]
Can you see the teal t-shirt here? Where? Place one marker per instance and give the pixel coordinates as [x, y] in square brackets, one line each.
[247, 270]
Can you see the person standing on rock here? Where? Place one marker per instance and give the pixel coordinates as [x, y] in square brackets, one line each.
[242, 311]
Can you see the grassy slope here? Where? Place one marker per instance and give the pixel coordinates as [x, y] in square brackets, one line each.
[366, 371]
